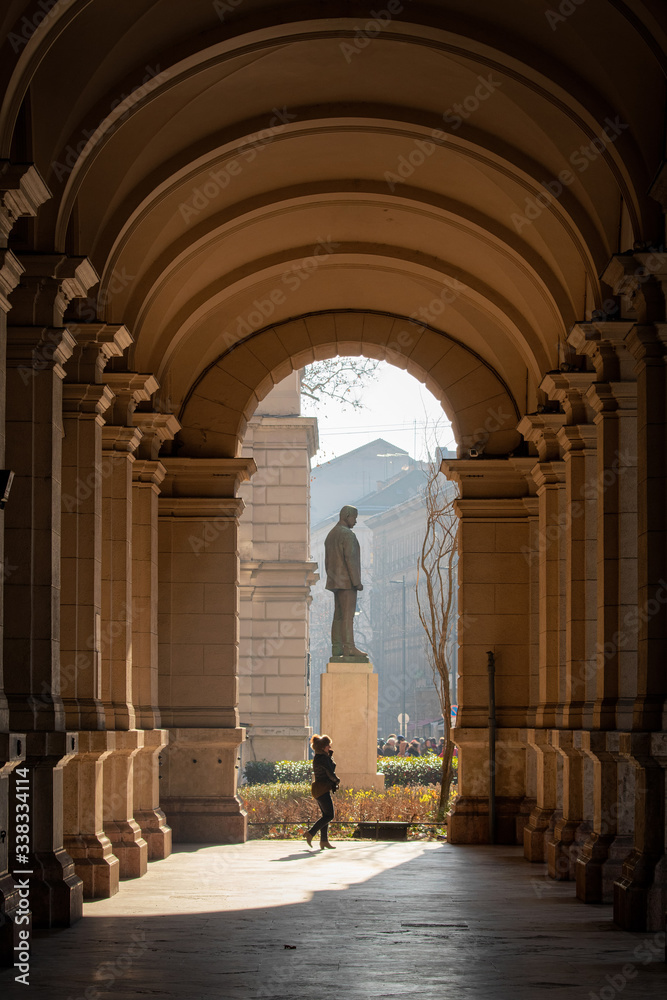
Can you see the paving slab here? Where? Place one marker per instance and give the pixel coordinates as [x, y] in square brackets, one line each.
[273, 920]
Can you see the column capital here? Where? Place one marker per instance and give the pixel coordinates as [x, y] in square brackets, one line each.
[206, 478]
[49, 283]
[608, 397]
[95, 344]
[577, 437]
[541, 429]
[22, 191]
[485, 478]
[147, 473]
[648, 343]
[569, 389]
[548, 474]
[156, 428]
[604, 343]
[641, 278]
[35, 349]
[86, 398]
[130, 389]
[120, 439]
[11, 270]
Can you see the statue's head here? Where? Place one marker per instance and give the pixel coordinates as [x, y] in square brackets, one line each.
[348, 515]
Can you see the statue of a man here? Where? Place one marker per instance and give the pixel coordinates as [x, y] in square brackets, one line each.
[342, 562]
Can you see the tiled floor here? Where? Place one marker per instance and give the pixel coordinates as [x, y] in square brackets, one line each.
[270, 919]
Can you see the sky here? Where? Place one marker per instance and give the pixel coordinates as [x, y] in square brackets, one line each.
[396, 407]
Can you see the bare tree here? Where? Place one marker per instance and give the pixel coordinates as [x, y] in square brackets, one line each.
[338, 378]
[436, 601]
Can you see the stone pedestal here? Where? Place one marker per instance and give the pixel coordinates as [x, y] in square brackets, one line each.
[147, 812]
[349, 715]
[120, 826]
[85, 839]
[198, 790]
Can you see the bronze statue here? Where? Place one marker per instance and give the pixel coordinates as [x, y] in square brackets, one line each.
[342, 562]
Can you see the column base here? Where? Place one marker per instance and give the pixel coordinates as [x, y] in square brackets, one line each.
[56, 891]
[95, 864]
[599, 865]
[640, 894]
[156, 832]
[537, 832]
[564, 849]
[207, 820]
[128, 846]
[468, 822]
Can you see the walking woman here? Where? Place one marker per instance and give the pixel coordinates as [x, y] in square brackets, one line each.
[326, 782]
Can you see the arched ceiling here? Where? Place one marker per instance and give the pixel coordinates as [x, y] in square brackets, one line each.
[235, 164]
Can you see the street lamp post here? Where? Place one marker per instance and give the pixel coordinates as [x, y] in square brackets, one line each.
[401, 583]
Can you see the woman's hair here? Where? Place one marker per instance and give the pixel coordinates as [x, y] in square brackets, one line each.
[319, 743]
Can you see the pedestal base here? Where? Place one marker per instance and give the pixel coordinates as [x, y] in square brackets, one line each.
[95, 864]
[207, 820]
[349, 715]
[156, 832]
[599, 865]
[537, 832]
[468, 822]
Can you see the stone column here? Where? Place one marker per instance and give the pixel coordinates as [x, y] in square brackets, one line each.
[577, 440]
[541, 430]
[119, 443]
[22, 191]
[37, 348]
[494, 614]
[613, 398]
[85, 401]
[147, 475]
[198, 680]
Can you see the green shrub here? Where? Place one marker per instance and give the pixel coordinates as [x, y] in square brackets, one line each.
[425, 770]
[293, 771]
[260, 772]
[267, 772]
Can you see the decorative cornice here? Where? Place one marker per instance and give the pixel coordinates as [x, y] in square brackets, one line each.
[212, 478]
[95, 344]
[11, 270]
[22, 191]
[156, 428]
[49, 283]
[86, 398]
[541, 429]
[129, 389]
[604, 343]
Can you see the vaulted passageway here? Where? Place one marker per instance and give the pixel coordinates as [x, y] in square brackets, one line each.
[196, 200]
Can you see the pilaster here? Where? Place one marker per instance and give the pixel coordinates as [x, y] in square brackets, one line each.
[198, 629]
[494, 602]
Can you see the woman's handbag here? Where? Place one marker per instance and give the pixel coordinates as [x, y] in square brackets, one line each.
[320, 788]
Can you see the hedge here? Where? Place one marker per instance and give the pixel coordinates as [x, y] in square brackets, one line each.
[425, 770]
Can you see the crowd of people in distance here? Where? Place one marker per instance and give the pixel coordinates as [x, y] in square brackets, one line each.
[398, 746]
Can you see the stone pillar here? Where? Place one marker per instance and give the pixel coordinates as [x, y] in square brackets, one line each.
[613, 397]
[37, 348]
[83, 816]
[577, 440]
[22, 191]
[85, 401]
[199, 635]
[349, 715]
[542, 430]
[119, 443]
[610, 841]
[147, 475]
[494, 575]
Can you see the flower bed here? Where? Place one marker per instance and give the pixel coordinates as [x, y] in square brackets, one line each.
[287, 810]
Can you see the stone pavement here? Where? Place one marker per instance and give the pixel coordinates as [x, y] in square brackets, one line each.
[269, 919]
